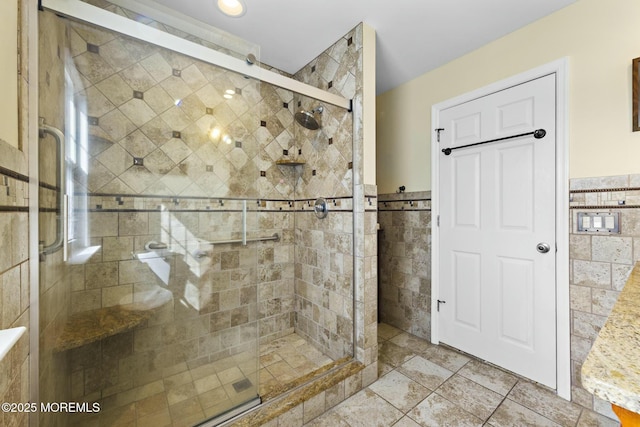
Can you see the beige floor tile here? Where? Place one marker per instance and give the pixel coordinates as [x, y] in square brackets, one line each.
[411, 342]
[230, 375]
[406, 422]
[204, 370]
[282, 371]
[181, 393]
[205, 384]
[367, 409]
[383, 369]
[269, 359]
[512, 414]
[386, 332]
[330, 418]
[215, 397]
[425, 372]
[489, 376]
[158, 419]
[435, 411]
[296, 360]
[445, 357]
[392, 354]
[186, 409]
[400, 391]
[177, 380]
[591, 419]
[471, 396]
[545, 403]
[151, 405]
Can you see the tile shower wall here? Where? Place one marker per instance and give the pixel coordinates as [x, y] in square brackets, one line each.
[14, 298]
[133, 114]
[14, 235]
[328, 173]
[151, 112]
[325, 247]
[599, 266]
[130, 93]
[405, 261]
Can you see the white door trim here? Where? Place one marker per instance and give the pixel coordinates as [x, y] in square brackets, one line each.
[560, 69]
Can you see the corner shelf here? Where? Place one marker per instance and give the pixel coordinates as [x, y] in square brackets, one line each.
[287, 162]
[89, 326]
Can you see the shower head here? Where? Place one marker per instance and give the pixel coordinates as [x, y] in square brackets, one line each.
[307, 119]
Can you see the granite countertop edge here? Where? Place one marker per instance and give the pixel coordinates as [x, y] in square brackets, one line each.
[611, 370]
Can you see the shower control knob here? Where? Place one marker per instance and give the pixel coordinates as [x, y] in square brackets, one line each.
[321, 208]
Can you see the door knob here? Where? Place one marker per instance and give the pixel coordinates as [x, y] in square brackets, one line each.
[543, 248]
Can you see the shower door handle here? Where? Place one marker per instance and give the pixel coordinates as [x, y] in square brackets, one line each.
[62, 198]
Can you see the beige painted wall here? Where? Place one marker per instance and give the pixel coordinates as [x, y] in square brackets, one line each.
[600, 38]
[9, 72]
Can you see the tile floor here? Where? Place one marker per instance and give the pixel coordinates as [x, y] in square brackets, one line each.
[287, 358]
[192, 394]
[422, 384]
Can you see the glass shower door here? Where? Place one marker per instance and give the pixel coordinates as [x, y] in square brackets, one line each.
[149, 308]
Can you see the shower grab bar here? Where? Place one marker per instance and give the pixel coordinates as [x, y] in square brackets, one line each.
[244, 223]
[61, 195]
[275, 237]
[537, 134]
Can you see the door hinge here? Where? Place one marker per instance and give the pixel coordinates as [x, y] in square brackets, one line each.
[438, 220]
[438, 130]
[440, 302]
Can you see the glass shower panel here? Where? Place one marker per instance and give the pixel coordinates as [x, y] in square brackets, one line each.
[151, 308]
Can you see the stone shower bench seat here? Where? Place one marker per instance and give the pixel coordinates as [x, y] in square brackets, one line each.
[90, 326]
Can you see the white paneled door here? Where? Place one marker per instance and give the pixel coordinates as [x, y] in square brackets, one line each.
[497, 219]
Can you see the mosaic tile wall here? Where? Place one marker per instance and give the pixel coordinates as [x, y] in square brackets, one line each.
[405, 261]
[599, 266]
[157, 109]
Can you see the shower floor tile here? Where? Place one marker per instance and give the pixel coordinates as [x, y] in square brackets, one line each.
[187, 395]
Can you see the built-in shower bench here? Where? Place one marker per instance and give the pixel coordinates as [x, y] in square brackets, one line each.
[90, 326]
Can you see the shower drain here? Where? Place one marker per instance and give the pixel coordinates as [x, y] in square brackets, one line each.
[241, 385]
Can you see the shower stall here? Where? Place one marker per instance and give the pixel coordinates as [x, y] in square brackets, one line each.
[186, 274]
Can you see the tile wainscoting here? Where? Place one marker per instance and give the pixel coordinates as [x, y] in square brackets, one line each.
[405, 261]
[599, 266]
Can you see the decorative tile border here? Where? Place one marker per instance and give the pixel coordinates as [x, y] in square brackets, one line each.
[143, 203]
[13, 191]
[598, 198]
[413, 201]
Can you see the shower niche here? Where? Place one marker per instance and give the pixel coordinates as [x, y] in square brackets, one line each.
[197, 280]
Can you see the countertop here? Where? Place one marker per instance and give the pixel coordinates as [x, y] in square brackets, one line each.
[612, 368]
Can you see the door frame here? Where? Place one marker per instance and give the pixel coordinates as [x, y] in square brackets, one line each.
[560, 68]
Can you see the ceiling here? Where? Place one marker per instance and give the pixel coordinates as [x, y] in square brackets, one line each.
[412, 36]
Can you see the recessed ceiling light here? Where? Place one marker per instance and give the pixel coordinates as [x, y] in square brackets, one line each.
[233, 8]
